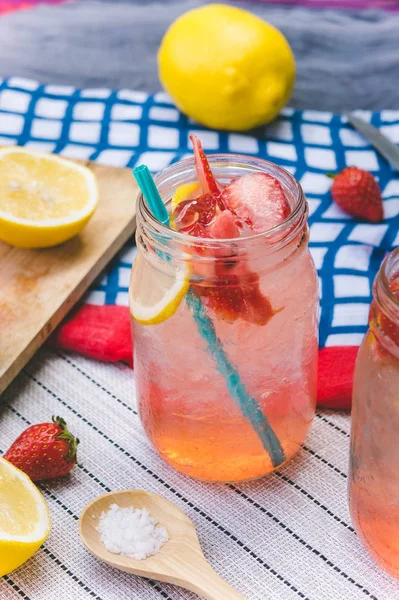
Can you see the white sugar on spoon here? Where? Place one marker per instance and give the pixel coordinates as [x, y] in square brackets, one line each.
[131, 532]
[179, 560]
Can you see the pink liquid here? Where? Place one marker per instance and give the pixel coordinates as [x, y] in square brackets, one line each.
[374, 477]
[185, 406]
[259, 295]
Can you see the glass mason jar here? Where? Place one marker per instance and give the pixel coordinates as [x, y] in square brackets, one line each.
[226, 400]
[374, 451]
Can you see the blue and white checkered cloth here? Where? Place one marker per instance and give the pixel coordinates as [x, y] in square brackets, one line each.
[127, 128]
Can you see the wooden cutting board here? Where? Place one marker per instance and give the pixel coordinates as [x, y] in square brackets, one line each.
[39, 287]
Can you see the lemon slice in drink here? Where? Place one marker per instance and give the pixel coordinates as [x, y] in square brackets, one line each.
[44, 199]
[24, 518]
[183, 192]
[158, 288]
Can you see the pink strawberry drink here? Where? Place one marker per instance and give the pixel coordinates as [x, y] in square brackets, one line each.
[374, 456]
[226, 384]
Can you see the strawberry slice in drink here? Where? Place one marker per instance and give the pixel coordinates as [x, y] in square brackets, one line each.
[193, 215]
[235, 294]
[225, 226]
[230, 289]
[204, 172]
[235, 291]
[258, 199]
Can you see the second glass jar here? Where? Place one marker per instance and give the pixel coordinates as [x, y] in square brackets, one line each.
[374, 453]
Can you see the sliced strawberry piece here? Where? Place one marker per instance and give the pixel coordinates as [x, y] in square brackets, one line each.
[227, 302]
[258, 199]
[185, 215]
[188, 212]
[234, 273]
[236, 297]
[259, 310]
[204, 172]
[196, 230]
[225, 226]
[228, 288]
[234, 290]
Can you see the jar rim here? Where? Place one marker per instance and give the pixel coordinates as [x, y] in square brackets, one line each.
[187, 166]
[385, 276]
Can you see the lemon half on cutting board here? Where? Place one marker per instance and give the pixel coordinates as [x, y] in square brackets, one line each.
[24, 518]
[44, 199]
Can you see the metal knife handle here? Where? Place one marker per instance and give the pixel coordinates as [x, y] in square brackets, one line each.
[378, 140]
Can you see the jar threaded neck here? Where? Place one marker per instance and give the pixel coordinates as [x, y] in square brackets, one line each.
[384, 312]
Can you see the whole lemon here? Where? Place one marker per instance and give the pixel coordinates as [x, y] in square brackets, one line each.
[226, 68]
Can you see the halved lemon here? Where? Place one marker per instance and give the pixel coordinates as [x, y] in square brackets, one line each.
[44, 199]
[24, 518]
[158, 288]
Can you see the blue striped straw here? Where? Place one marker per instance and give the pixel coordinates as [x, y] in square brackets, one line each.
[249, 406]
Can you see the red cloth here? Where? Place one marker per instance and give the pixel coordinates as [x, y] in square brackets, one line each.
[7, 6]
[336, 366]
[103, 333]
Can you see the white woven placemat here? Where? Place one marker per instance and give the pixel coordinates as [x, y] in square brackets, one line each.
[285, 537]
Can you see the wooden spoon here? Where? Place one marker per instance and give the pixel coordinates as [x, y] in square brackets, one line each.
[180, 561]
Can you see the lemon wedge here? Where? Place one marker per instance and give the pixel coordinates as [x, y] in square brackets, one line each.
[157, 286]
[183, 192]
[44, 199]
[24, 518]
[157, 289]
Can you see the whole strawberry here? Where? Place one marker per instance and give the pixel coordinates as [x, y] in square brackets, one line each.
[357, 193]
[44, 451]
